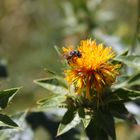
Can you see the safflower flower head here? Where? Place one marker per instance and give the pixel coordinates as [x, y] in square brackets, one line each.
[90, 69]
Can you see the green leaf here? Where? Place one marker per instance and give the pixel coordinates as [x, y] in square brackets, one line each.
[18, 131]
[104, 119]
[64, 128]
[118, 110]
[6, 96]
[125, 93]
[86, 120]
[6, 120]
[125, 53]
[52, 101]
[95, 132]
[49, 71]
[111, 98]
[52, 84]
[130, 60]
[132, 80]
[57, 49]
[81, 112]
[68, 116]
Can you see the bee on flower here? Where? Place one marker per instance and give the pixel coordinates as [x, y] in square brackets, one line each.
[72, 55]
[90, 68]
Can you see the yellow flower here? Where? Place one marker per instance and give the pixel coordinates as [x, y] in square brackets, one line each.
[90, 68]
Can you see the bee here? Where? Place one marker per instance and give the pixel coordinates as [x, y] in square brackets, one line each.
[72, 55]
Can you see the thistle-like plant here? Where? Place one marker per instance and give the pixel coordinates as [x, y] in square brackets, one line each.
[94, 89]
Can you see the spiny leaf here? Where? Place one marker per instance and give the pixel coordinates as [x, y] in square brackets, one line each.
[51, 101]
[57, 49]
[64, 128]
[68, 116]
[125, 93]
[50, 72]
[6, 120]
[14, 134]
[125, 53]
[129, 81]
[52, 84]
[7, 95]
[86, 120]
[130, 60]
[134, 79]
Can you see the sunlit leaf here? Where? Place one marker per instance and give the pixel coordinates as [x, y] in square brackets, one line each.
[17, 132]
[86, 120]
[130, 60]
[132, 80]
[64, 128]
[52, 84]
[6, 96]
[52, 101]
[125, 53]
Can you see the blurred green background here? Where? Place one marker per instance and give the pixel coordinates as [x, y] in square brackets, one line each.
[29, 30]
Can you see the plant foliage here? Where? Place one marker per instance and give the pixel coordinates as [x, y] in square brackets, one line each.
[5, 98]
[101, 116]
